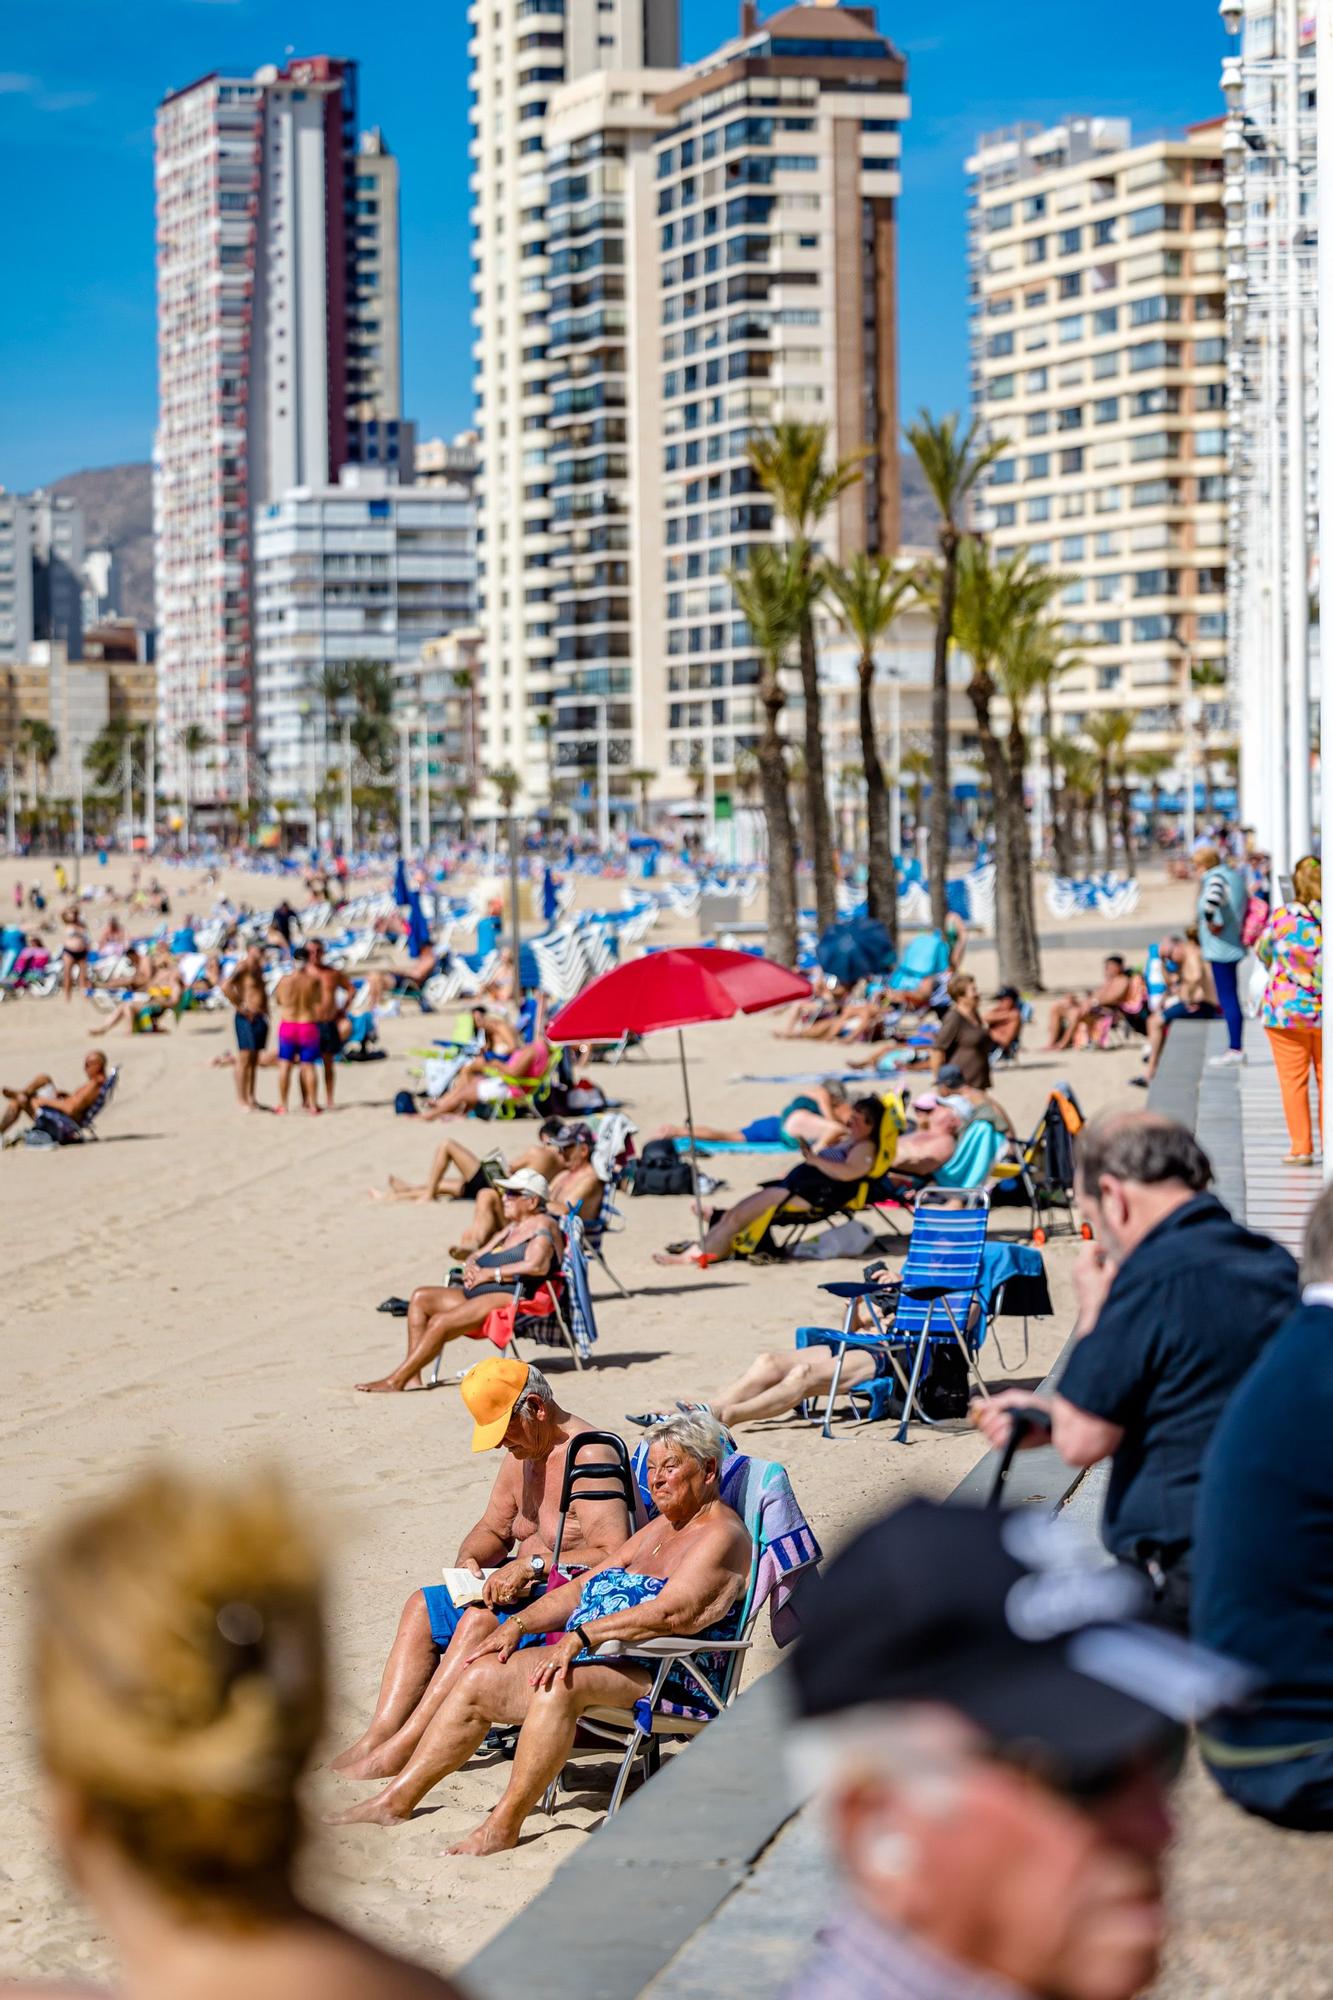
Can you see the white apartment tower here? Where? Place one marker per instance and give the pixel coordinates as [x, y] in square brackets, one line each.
[270, 293]
[1099, 352]
[520, 52]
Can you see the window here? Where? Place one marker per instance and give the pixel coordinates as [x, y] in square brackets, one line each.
[1074, 593]
[1154, 354]
[1034, 301]
[1071, 284]
[1039, 509]
[1108, 631]
[1035, 381]
[1210, 444]
[1006, 514]
[1001, 217]
[1000, 387]
[999, 345]
[1106, 364]
[1071, 242]
[1108, 677]
[1105, 320]
[1207, 352]
[1070, 329]
[1071, 549]
[1107, 589]
[1145, 312]
[1104, 231]
[1072, 461]
[1070, 419]
[1038, 467]
[1039, 552]
[1004, 472]
[1148, 631]
[1212, 486]
[1038, 423]
[1162, 215]
[1105, 543]
[1034, 207]
[1106, 410]
[1034, 250]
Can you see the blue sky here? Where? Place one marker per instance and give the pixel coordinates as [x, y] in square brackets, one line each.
[80, 80]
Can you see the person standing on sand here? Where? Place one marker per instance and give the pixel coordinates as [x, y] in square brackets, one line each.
[247, 993]
[299, 996]
[335, 990]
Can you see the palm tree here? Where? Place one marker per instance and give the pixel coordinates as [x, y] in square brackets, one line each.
[997, 606]
[38, 742]
[789, 462]
[281, 808]
[193, 741]
[868, 594]
[104, 759]
[1152, 766]
[774, 595]
[951, 464]
[644, 780]
[915, 765]
[1108, 732]
[545, 720]
[1078, 787]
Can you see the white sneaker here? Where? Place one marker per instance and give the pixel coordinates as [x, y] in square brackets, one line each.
[1229, 1059]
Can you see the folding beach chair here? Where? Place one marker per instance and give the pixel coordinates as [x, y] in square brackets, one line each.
[777, 1232]
[56, 1128]
[610, 1221]
[784, 1546]
[936, 1304]
[1043, 1173]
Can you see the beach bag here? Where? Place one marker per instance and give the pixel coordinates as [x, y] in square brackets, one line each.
[1254, 921]
[659, 1169]
[404, 1104]
[842, 1239]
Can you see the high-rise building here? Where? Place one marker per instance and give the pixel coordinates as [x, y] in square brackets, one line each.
[16, 534]
[375, 343]
[41, 572]
[364, 570]
[1099, 354]
[605, 530]
[777, 189]
[518, 55]
[266, 310]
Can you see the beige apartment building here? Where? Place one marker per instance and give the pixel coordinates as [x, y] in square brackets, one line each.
[1099, 352]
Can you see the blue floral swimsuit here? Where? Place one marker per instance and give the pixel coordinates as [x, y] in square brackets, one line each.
[624, 1589]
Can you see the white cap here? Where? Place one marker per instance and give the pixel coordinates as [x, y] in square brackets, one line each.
[527, 1181]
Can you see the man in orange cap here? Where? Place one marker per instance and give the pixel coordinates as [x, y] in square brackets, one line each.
[514, 1406]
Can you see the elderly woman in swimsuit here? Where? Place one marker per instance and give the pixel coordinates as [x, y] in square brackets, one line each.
[526, 1250]
[685, 1574]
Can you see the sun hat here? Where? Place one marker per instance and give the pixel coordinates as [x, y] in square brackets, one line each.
[527, 1181]
[962, 1108]
[577, 1134]
[490, 1390]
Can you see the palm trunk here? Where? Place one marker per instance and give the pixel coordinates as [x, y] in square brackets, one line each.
[816, 789]
[1108, 815]
[781, 940]
[1127, 830]
[1022, 865]
[939, 732]
[881, 873]
[1205, 763]
[1008, 881]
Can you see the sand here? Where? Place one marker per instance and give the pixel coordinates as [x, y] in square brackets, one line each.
[202, 1284]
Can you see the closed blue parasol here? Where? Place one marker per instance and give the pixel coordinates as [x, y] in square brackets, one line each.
[418, 930]
[402, 895]
[857, 948]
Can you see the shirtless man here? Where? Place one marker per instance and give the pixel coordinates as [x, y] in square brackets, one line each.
[1077, 1010]
[300, 996]
[74, 1103]
[529, 1246]
[515, 1537]
[246, 992]
[576, 1182]
[1190, 996]
[336, 990]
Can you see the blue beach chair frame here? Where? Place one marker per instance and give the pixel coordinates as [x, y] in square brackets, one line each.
[938, 1299]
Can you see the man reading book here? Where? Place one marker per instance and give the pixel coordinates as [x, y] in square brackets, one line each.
[509, 1550]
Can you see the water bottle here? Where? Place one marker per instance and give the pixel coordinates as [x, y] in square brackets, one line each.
[1154, 978]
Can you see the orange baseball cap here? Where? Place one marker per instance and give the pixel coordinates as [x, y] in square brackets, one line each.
[490, 1390]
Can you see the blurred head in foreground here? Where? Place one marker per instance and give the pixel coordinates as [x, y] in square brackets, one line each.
[992, 1737]
[179, 1680]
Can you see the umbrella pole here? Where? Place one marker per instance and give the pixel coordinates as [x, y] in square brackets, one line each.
[689, 1126]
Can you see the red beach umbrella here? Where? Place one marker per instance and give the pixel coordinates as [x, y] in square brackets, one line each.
[676, 989]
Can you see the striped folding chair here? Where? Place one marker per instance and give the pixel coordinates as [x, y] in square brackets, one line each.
[936, 1301]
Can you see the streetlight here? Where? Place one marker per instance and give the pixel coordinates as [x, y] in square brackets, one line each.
[1324, 321]
[405, 721]
[346, 707]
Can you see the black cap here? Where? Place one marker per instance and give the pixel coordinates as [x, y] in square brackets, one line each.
[1012, 1620]
[1009, 993]
[577, 1134]
[948, 1076]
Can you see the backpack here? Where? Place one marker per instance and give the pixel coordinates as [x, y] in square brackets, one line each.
[659, 1169]
[405, 1104]
[1254, 922]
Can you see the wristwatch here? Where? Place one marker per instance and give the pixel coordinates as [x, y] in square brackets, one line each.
[537, 1564]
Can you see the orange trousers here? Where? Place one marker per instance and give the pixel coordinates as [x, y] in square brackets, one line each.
[1297, 1051]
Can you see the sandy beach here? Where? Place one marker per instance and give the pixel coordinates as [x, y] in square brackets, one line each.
[202, 1284]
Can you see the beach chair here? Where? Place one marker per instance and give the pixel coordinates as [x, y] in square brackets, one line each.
[1042, 1175]
[979, 1147]
[56, 1128]
[784, 1548]
[937, 1302]
[610, 1221]
[777, 1232]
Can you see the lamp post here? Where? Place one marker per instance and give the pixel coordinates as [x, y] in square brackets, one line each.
[1298, 607]
[1324, 324]
[346, 712]
[423, 789]
[404, 785]
[11, 839]
[150, 789]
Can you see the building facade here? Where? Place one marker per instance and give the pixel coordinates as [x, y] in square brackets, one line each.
[365, 570]
[271, 294]
[777, 188]
[520, 52]
[16, 537]
[1098, 353]
[41, 572]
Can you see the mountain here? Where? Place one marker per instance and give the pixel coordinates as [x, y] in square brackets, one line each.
[117, 503]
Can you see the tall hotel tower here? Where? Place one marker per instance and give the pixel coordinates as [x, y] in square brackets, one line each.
[277, 259]
[520, 52]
